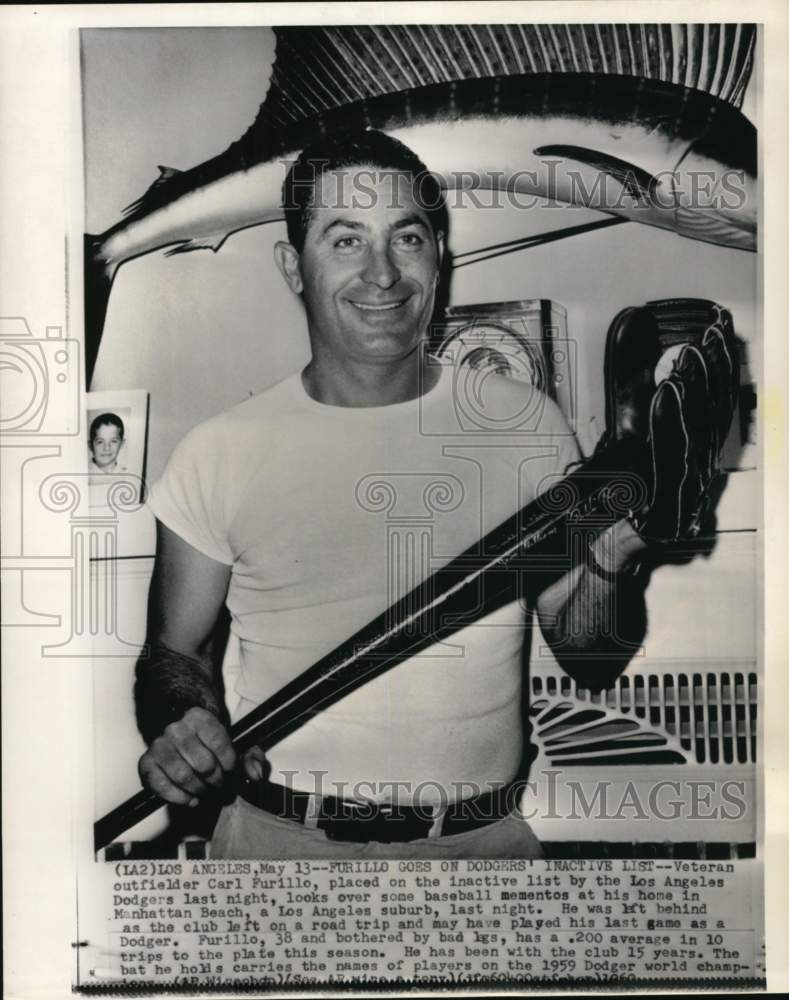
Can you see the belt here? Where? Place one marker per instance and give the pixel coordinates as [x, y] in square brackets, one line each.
[362, 822]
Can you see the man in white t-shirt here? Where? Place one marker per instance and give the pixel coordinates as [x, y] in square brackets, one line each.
[309, 509]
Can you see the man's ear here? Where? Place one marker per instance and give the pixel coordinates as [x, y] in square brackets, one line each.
[286, 257]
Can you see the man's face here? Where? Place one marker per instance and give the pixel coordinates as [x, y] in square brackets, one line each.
[106, 444]
[369, 267]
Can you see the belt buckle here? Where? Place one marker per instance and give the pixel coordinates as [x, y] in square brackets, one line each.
[377, 824]
[339, 822]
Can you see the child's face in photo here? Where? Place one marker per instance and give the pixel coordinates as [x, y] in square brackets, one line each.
[105, 445]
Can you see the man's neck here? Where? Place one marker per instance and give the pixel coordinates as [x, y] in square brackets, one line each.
[369, 385]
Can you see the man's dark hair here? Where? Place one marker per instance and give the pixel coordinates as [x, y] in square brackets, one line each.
[368, 148]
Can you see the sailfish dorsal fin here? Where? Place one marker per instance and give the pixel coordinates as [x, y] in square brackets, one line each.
[319, 68]
[152, 195]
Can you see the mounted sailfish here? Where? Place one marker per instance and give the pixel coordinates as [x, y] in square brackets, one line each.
[639, 121]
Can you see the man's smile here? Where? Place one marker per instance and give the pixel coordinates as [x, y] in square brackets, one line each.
[379, 306]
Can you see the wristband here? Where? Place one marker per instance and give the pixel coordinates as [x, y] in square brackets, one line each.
[610, 576]
[167, 685]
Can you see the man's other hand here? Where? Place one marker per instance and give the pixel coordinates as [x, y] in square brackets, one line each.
[191, 757]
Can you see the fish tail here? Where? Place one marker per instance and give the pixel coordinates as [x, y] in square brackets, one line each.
[99, 275]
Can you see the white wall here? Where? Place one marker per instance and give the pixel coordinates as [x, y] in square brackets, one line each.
[170, 96]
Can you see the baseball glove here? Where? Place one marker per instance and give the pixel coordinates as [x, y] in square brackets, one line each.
[683, 420]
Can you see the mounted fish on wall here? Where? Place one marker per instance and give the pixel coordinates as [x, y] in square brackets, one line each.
[624, 119]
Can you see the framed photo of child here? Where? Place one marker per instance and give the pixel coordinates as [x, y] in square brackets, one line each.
[117, 426]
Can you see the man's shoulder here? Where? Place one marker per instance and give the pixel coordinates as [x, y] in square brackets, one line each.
[238, 431]
[486, 401]
[271, 400]
[249, 413]
[510, 392]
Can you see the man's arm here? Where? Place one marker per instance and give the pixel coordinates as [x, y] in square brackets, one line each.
[595, 620]
[178, 692]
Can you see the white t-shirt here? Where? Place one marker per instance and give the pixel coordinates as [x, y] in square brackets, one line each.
[328, 515]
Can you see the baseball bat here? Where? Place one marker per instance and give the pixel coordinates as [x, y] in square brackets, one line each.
[522, 553]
